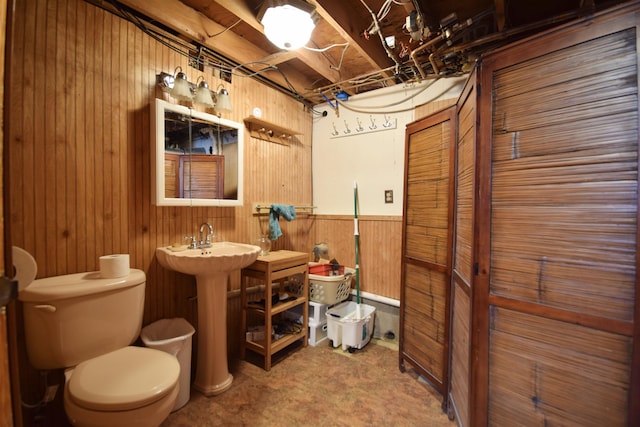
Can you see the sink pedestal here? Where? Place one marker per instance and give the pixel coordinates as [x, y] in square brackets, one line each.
[212, 267]
[212, 367]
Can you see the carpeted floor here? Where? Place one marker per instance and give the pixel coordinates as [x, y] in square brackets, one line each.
[320, 386]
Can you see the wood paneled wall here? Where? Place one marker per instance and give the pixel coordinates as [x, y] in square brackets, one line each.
[82, 83]
[556, 297]
[430, 108]
[463, 246]
[380, 243]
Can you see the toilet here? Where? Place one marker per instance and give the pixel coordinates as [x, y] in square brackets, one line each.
[86, 324]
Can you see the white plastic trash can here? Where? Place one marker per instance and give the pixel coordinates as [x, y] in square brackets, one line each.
[173, 336]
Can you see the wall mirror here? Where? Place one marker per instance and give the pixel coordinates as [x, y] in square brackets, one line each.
[197, 160]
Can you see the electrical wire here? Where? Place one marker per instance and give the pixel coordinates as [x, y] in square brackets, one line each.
[385, 9]
[385, 108]
[222, 64]
[324, 49]
[207, 57]
[223, 31]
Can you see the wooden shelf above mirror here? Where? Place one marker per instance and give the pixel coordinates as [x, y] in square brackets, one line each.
[267, 131]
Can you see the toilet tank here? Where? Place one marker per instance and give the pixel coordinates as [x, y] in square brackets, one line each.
[75, 317]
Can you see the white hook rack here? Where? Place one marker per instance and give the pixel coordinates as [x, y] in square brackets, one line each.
[389, 123]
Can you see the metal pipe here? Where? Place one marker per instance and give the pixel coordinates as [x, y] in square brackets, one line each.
[432, 59]
[306, 208]
[427, 45]
[378, 298]
[391, 54]
[514, 31]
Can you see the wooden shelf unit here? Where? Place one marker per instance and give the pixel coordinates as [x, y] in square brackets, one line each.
[267, 131]
[276, 267]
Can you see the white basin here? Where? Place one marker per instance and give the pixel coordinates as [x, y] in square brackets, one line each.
[212, 267]
[220, 257]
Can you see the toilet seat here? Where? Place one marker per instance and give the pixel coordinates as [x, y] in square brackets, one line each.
[125, 379]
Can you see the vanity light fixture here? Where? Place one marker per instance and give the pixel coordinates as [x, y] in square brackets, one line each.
[203, 94]
[181, 88]
[223, 102]
[288, 24]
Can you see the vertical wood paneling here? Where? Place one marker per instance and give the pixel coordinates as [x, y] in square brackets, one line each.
[380, 241]
[427, 241]
[8, 417]
[16, 199]
[558, 230]
[567, 191]
[79, 119]
[460, 353]
[57, 13]
[538, 365]
[83, 80]
[37, 122]
[430, 108]
[465, 173]
[463, 244]
[69, 129]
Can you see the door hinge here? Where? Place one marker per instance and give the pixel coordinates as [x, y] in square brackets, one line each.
[8, 290]
[475, 269]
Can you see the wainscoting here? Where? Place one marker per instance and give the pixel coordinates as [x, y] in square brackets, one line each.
[82, 81]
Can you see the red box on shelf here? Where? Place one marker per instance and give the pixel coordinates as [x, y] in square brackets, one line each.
[326, 270]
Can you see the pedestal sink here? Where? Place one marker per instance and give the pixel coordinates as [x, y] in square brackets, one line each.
[211, 266]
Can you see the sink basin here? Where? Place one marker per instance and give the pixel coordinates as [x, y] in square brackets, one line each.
[212, 267]
[220, 257]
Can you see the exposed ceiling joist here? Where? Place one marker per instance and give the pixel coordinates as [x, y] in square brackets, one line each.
[349, 26]
[348, 50]
[197, 27]
[311, 59]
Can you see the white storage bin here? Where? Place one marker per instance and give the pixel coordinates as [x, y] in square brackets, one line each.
[318, 312]
[317, 333]
[350, 326]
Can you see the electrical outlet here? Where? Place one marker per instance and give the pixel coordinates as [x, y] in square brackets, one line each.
[388, 196]
[50, 393]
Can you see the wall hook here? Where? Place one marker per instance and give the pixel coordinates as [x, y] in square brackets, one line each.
[359, 128]
[373, 123]
[387, 121]
[346, 125]
[335, 131]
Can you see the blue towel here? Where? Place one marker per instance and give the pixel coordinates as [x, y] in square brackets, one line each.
[287, 212]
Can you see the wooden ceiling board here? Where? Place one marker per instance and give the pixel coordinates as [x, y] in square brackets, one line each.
[214, 24]
[197, 27]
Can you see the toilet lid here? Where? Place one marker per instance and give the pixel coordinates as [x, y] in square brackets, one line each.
[127, 378]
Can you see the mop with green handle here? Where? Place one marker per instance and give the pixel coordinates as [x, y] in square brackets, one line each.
[356, 235]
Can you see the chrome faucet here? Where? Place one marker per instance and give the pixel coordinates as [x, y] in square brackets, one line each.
[193, 243]
[205, 242]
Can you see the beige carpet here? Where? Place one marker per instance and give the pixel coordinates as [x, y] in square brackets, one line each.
[320, 386]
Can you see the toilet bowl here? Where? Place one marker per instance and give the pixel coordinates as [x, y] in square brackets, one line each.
[85, 323]
[130, 386]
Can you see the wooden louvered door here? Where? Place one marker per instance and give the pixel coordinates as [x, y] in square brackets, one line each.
[202, 176]
[462, 276]
[556, 298]
[426, 249]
